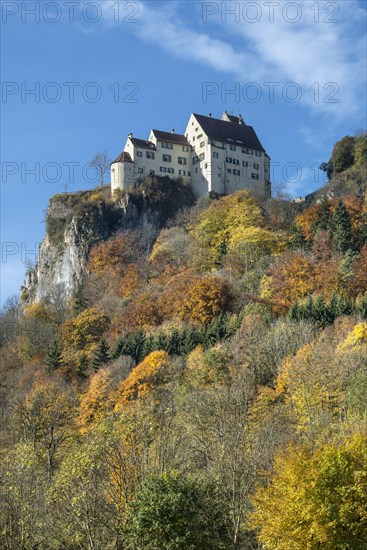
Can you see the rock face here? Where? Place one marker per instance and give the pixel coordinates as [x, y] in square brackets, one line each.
[75, 222]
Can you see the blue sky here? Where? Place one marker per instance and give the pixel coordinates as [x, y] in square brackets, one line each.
[101, 69]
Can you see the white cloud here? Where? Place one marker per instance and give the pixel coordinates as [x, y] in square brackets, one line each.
[331, 54]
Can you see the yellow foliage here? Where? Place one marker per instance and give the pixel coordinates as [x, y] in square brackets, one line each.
[84, 331]
[206, 299]
[144, 378]
[356, 338]
[224, 223]
[96, 401]
[314, 391]
[315, 500]
[38, 311]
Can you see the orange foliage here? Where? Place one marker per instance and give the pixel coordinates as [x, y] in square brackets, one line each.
[292, 278]
[84, 330]
[132, 280]
[206, 299]
[96, 401]
[144, 378]
[359, 266]
[111, 254]
[328, 279]
[175, 291]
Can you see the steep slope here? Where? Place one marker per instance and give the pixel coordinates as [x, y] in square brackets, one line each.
[77, 221]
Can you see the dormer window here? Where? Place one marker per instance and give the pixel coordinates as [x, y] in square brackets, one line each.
[139, 153]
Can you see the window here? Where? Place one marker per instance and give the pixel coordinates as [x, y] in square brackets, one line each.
[171, 170]
[236, 172]
[139, 153]
[202, 144]
[195, 160]
[182, 172]
[247, 151]
[196, 170]
[189, 173]
[258, 153]
[229, 171]
[166, 145]
[197, 128]
[202, 156]
[232, 147]
[254, 176]
[199, 136]
[206, 165]
[166, 158]
[193, 138]
[245, 163]
[151, 172]
[181, 160]
[140, 170]
[215, 155]
[228, 159]
[256, 166]
[235, 161]
[149, 155]
[163, 169]
[186, 148]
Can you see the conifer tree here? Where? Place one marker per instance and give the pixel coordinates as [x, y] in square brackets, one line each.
[54, 357]
[341, 228]
[298, 239]
[82, 366]
[102, 355]
[322, 222]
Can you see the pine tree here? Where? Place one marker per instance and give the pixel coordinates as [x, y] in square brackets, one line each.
[54, 357]
[78, 302]
[322, 222]
[298, 240]
[173, 343]
[341, 228]
[82, 366]
[102, 355]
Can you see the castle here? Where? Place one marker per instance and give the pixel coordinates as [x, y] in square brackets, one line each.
[214, 155]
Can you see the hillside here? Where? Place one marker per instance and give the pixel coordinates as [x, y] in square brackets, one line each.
[186, 375]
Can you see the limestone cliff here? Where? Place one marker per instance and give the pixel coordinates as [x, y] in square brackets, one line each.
[77, 221]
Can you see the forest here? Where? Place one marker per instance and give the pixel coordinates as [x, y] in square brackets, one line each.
[207, 390]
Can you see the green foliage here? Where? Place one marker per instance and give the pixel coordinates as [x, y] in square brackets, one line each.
[341, 228]
[325, 313]
[102, 355]
[172, 512]
[342, 156]
[176, 342]
[54, 358]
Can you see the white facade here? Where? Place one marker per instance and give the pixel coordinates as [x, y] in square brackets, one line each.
[214, 155]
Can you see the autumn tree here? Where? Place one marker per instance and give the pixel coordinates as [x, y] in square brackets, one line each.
[144, 378]
[291, 277]
[205, 300]
[315, 500]
[83, 333]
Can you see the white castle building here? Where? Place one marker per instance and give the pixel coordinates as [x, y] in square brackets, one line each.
[221, 155]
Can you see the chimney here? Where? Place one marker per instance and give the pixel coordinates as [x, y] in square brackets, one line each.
[209, 115]
[240, 120]
[130, 135]
[173, 131]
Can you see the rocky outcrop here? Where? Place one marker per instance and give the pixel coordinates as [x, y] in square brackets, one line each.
[75, 222]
